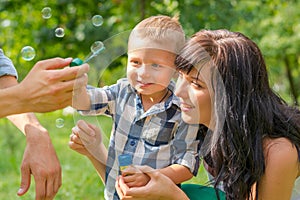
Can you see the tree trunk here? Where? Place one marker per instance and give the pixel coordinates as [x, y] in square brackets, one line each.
[291, 80]
[143, 9]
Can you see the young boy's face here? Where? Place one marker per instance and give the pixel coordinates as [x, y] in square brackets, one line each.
[150, 70]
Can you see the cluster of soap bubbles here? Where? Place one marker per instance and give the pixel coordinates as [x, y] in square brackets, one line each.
[28, 52]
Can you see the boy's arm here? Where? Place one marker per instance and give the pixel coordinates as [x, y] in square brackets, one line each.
[100, 166]
[185, 152]
[177, 173]
[81, 99]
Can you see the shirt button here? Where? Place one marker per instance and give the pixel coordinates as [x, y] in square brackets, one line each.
[132, 143]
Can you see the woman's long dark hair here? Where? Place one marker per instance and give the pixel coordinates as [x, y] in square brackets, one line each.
[251, 110]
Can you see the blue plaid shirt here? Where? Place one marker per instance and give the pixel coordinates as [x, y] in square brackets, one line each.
[157, 137]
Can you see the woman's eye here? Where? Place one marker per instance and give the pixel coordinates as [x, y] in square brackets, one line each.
[195, 84]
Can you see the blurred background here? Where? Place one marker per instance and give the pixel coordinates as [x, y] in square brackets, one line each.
[69, 28]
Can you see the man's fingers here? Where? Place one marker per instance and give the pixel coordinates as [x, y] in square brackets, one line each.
[25, 180]
[70, 73]
[61, 72]
[57, 183]
[54, 63]
[40, 188]
[80, 81]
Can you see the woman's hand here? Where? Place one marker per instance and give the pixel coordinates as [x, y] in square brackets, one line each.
[159, 187]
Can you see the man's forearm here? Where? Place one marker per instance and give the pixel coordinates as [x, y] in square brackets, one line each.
[11, 97]
[22, 120]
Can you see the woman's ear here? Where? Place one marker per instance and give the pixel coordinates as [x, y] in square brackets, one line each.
[175, 75]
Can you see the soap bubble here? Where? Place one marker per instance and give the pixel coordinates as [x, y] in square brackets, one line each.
[97, 47]
[46, 13]
[28, 53]
[97, 20]
[59, 122]
[59, 32]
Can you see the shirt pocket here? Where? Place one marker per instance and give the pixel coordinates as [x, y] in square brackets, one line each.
[158, 131]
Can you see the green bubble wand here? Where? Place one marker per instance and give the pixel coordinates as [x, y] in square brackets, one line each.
[96, 49]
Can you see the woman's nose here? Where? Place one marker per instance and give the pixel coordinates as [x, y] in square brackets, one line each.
[181, 89]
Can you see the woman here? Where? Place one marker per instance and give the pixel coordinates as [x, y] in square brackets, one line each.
[252, 144]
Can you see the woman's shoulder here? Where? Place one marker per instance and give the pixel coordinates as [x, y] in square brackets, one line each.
[281, 152]
[279, 146]
[281, 169]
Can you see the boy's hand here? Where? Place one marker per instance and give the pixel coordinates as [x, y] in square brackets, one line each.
[76, 144]
[86, 139]
[133, 177]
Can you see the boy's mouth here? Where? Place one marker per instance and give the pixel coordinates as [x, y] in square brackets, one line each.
[143, 84]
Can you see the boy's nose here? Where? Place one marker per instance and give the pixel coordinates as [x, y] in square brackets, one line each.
[143, 71]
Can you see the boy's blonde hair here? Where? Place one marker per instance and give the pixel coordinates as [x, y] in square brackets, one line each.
[164, 32]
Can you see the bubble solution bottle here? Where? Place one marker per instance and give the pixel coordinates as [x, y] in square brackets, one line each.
[125, 160]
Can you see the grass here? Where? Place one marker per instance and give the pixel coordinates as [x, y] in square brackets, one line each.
[80, 181]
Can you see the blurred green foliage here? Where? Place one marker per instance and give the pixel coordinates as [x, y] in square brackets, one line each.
[273, 24]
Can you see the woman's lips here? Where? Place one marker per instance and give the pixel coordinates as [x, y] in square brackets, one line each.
[186, 107]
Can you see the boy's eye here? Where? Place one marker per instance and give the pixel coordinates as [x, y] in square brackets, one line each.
[135, 62]
[155, 65]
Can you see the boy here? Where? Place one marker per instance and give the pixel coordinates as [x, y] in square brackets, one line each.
[146, 113]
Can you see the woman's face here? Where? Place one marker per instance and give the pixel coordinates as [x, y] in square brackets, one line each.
[195, 98]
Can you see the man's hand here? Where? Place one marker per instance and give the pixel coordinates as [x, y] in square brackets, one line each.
[50, 85]
[41, 161]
